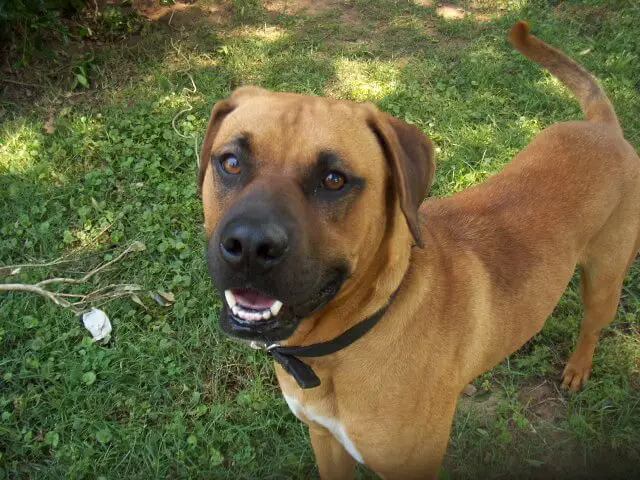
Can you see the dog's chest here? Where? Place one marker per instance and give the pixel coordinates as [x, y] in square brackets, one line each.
[308, 414]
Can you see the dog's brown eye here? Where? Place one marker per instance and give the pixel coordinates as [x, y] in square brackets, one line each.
[231, 165]
[334, 181]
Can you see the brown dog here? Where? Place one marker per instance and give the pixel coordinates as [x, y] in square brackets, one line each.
[312, 207]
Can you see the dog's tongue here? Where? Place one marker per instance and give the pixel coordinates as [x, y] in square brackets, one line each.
[252, 299]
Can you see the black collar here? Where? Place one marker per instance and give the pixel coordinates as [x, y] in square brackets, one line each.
[287, 357]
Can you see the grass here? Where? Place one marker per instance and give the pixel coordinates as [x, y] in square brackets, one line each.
[169, 396]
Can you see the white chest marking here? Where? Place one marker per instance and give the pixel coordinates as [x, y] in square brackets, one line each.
[331, 424]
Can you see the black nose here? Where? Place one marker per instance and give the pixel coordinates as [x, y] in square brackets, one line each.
[254, 246]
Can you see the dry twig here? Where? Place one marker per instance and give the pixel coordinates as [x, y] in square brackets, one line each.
[189, 107]
[22, 84]
[103, 294]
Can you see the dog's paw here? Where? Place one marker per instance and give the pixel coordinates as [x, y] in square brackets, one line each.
[576, 374]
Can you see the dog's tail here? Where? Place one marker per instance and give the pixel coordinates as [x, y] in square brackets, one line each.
[594, 102]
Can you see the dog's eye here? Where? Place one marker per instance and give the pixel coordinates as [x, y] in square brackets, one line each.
[231, 164]
[334, 181]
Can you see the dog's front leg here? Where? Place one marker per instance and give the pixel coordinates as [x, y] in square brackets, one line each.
[333, 461]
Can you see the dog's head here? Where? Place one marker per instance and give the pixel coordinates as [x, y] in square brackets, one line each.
[299, 194]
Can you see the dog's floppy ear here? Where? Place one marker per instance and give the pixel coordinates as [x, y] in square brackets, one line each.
[218, 114]
[411, 159]
[220, 110]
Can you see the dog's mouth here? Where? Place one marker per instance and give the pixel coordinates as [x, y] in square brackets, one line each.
[251, 314]
[249, 306]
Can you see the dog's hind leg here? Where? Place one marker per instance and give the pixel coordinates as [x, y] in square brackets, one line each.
[602, 275]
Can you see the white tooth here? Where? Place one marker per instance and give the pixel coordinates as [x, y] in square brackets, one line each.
[244, 315]
[235, 310]
[275, 308]
[266, 314]
[231, 299]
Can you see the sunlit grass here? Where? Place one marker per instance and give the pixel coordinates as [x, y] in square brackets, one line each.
[20, 147]
[265, 33]
[363, 81]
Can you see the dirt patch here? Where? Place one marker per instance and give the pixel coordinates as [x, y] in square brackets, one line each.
[349, 15]
[295, 7]
[479, 11]
[450, 12]
[183, 14]
[544, 407]
[483, 404]
[552, 452]
[543, 402]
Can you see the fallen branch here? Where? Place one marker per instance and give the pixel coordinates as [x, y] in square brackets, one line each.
[185, 110]
[103, 294]
[17, 268]
[133, 246]
[22, 84]
[23, 287]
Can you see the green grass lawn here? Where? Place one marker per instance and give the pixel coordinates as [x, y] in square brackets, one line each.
[169, 396]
